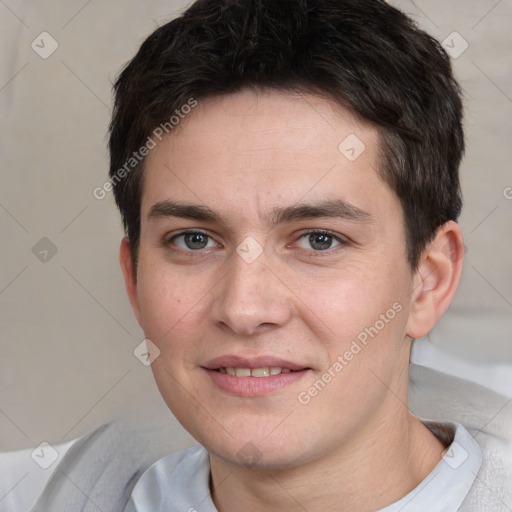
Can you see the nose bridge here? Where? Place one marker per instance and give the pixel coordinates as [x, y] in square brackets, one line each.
[245, 277]
[251, 295]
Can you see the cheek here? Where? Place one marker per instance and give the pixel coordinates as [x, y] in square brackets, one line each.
[365, 307]
[170, 302]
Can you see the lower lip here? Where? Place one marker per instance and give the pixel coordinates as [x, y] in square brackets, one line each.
[254, 386]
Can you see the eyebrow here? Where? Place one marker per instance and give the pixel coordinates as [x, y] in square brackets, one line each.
[327, 208]
[304, 211]
[168, 208]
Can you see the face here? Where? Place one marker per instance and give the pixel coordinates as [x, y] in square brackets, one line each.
[272, 276]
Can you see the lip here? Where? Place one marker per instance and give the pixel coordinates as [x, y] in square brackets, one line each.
[253, 386]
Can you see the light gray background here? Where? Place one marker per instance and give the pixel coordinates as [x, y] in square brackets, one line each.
[67, 330]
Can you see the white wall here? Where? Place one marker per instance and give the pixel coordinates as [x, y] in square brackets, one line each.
[67, 331]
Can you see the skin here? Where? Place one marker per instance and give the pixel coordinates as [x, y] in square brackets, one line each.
[355, 446]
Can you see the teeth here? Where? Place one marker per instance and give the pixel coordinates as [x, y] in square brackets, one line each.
[255, 372]
[260, 372]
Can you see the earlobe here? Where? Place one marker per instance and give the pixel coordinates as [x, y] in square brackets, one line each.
[130, 279]
[436, 279]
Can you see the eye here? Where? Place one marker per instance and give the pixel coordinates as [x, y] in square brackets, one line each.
[319, 241]
[192, 241]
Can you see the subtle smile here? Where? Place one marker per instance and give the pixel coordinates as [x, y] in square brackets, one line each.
[245, 376]
[254, 372]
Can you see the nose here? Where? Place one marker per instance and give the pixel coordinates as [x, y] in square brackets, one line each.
[251, 298]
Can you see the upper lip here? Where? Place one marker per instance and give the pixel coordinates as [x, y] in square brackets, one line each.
[251, 362]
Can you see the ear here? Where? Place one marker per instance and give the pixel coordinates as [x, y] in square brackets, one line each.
[436, 279]
[130, 278]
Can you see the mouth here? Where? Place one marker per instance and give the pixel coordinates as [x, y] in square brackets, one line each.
[253, 376]
[265, 371]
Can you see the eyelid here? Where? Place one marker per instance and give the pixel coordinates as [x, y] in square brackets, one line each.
[169, 238]
[342, 240]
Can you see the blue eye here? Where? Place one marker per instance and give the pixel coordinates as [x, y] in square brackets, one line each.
[319, 241]
[193, 241]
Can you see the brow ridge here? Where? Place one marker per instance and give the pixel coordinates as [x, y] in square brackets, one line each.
[280, 215]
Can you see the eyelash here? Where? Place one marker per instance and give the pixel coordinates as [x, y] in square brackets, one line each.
[169, 242]
[343, 242]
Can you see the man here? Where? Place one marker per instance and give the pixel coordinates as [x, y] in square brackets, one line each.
[287, 174]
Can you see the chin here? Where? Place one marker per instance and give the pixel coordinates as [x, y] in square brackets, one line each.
[251, 452]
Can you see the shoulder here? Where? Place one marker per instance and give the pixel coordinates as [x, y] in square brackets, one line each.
[179, 481]
[108, 462]
[487, 417]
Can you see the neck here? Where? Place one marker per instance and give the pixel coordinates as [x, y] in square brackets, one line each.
[384, 462]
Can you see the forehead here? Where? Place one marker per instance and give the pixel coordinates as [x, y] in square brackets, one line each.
[262, 149]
